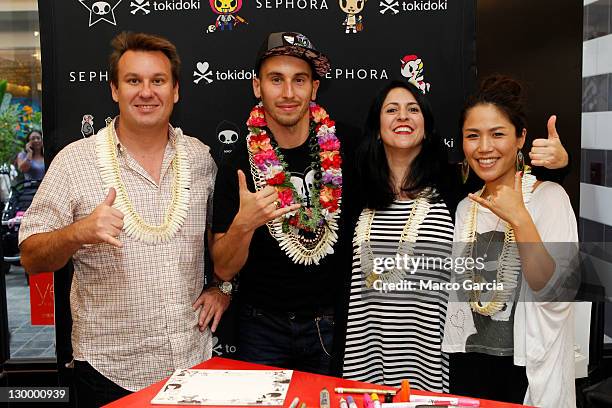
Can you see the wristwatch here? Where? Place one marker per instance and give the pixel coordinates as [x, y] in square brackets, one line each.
[225, 287]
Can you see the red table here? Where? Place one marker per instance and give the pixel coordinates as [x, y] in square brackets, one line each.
[304, 385]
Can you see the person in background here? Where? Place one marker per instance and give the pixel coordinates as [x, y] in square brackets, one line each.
[31, 161]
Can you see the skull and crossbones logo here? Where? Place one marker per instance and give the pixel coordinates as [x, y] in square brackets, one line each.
[389, 5]
[140, 5]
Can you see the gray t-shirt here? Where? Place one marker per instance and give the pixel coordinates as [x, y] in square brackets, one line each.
[493, 337]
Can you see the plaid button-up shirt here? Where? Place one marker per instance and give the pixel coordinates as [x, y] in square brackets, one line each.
[132, 312]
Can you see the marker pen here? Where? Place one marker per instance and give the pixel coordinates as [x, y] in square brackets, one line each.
[351, 402]
[424, 399]
[367, 401]
[401, 405]
[324, 399]
[342, 390]
[442, 406]
[404, 394]
[343, 403]
[294, 403]
[423, 404]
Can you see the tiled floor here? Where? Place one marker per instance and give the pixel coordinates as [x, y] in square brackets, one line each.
[27, 341]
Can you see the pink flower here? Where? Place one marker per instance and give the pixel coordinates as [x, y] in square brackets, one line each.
[330, 144]
[265, 156]
[285, 196]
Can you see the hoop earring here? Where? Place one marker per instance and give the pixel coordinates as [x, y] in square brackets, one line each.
[520, 161]
[465, 171]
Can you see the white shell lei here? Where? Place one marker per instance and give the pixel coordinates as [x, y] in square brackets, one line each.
[133, 224]
[405, 246]
[509, 263]
[299, 249]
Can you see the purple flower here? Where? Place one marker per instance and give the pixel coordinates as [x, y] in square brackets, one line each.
[330, 178]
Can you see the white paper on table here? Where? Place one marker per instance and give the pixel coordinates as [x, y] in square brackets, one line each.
[225, 387]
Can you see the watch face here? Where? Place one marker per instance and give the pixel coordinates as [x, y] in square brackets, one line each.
[226, 287]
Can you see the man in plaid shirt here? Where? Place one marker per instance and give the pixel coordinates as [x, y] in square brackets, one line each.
[130, 206]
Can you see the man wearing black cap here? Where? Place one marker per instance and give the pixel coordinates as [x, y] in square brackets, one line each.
[276, 213]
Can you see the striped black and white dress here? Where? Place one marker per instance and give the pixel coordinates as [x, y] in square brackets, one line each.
[398, 335]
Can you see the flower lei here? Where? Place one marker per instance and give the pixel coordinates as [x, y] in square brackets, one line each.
[269, 168]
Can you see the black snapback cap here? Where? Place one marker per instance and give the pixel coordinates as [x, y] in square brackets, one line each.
[295, 45]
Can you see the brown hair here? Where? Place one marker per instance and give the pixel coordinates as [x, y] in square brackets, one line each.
[506, 94]
[128, 41]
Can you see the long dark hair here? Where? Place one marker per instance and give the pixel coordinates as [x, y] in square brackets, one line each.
[371, 161]
[27, 139]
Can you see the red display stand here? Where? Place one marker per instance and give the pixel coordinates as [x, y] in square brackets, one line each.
[306, 386]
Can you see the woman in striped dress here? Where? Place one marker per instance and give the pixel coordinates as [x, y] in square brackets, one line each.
[394, 323]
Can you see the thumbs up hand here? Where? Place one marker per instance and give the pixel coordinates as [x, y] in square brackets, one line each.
[549, 152]
[103, 225]
[256, 209]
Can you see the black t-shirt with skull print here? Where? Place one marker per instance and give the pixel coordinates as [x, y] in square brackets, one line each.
[269, 279]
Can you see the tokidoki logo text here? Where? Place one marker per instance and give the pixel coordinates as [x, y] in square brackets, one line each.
[205, 74]
[394, 6]
[145, 7]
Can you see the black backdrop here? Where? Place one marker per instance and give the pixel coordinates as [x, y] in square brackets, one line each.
[76, 46]
[215, 85]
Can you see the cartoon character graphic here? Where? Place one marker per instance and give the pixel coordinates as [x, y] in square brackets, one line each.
[353, 21]
[412, 68]
[87, 125]
[304, 184]
[227, 18]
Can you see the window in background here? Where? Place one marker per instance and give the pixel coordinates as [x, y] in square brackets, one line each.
[29, 301]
